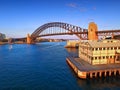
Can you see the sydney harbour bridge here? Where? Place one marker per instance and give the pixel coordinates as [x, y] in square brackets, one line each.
[60, 28]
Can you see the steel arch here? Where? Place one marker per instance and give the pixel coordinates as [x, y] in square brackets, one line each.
[78, 31]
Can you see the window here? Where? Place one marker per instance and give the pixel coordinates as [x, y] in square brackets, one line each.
[103, 48]
[115, 48]
[114, 57]
[107, 57]
[111, 48]
[96, 49]
[95, 58]
[103, 57]
[110, 56]
[99, 57]
[118, 58]
[91, 58]
[100, 48]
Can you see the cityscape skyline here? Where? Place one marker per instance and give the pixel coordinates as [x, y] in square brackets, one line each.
[24, 16]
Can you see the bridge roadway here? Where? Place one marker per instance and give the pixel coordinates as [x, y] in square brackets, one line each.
[69, 33]
[100, 33]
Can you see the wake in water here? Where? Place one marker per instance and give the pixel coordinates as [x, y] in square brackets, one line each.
[58, 44]
[10, 47]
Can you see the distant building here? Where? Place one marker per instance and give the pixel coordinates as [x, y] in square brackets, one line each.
[72, 43]
[2, 36]
[117, 37]
[100, 52]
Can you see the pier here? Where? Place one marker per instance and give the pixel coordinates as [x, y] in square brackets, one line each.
[85, 70]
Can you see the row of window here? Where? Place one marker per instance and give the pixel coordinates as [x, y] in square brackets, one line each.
[107, 48]
[100, 57]
[103, 57]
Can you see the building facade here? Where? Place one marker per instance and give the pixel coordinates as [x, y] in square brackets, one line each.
[100, 52]
[2, 36]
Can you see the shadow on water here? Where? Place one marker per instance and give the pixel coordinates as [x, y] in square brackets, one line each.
[108, 83]
[104, 83]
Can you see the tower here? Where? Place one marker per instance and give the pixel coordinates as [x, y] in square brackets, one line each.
[92, 29]
[29, 39]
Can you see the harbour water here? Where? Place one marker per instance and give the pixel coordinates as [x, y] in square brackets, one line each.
[43, 66]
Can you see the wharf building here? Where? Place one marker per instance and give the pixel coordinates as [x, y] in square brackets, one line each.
[100, 52]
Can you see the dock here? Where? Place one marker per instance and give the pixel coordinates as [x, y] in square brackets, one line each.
[85, 70]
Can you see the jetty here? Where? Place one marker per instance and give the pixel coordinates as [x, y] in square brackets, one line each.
[85, 70]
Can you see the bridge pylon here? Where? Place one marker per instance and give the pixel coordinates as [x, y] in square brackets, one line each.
[92, 29]
[29, 40]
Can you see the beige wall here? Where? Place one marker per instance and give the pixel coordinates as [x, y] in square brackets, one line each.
[98, 53]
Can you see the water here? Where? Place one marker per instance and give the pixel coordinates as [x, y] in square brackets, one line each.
[43, 67]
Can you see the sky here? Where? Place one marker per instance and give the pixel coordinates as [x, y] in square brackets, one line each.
[20, 17]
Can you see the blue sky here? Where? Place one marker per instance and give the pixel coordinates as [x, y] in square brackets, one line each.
[19, 17]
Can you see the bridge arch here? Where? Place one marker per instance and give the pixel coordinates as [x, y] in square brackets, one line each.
[71, 29]
[91, 33]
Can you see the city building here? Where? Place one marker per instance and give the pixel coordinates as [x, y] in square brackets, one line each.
[2, 36]
[100, 51]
